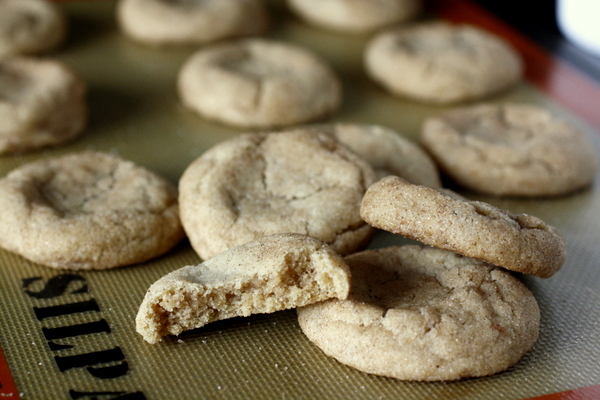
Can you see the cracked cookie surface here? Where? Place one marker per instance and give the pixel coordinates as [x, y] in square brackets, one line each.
[42, 103]
[259, 83]
[442, 63]
[272, 273]
[169, 22]
[298, 180]
[510, 149]
[87, 211]
[30, 27]
[425, 314]
[388, 152]
[518, 242]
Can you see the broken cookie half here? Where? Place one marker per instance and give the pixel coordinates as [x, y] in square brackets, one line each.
[269, 274]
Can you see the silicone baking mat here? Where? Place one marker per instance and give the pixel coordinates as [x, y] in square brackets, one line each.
[70, 335]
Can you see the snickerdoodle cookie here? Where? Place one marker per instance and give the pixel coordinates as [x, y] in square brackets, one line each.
[42, 103]
[355, 16]
[269, 274]
[388, 152]
[521, 243]
[425, 314]
[299, 180]
[164, 22]
[259, 83]
[439, 62]
[510, 149]
[87, 210]
[30, 27]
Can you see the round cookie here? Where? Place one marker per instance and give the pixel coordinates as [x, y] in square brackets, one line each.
[30, 27]
[87, 211]
[388, 152]
[256, 184]
[259, 83]
[42, 103]
[356, 16]
[164, 22]
[510, 149]
[442, 63]
[521, 243]
[272, 273]
[425, 314]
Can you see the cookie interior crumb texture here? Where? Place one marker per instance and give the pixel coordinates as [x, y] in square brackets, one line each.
[518, 242]
[299, 180]
[510, 149]
[273, 273]
[87, 210]
[42, 103]
[425, 314]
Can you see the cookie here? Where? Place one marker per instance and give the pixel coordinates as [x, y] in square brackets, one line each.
[256, 184]
[269, 274]
[87, 210]
[424, 314]
[510, 150]
[521, 243]
[162, 22]
[30, 27]
[357, 16]
[42, 103]
[442, 63]
[259, 83]
[388, 152]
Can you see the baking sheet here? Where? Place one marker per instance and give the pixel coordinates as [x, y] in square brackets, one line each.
[71, 335]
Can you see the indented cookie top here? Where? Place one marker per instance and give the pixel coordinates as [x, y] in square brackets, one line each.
[42, 103]
[256, 184]
[521, 243]
[425, 314]
[442, 63]
[388, 152]
[510, 149]
[87, 211]
[30, 27]
[164, 22]
[357, 16]
[269, 274]
[259, 83]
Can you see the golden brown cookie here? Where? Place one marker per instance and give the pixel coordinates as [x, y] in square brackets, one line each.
[256, 184]
[439, 62]
[259, 83]
[510, 149]
[388, 152]
[42, 103]
[356, 16]
[425, 314]
[87, 210]
[269, 274]
[521, 243]
[165, 22]
[30, 27]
